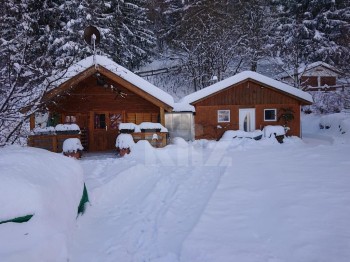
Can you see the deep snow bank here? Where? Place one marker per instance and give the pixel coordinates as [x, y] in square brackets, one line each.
[47, 185]
[332, 126]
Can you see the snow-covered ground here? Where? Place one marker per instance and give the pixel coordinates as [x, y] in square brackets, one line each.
[46, 185]
[243, 200]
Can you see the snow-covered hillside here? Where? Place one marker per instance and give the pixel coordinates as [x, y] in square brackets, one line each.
[240, 200]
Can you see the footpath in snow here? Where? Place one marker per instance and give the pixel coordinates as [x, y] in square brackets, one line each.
[242, 200]
[144, 212]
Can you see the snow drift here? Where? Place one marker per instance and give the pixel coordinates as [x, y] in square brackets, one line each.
[48, 186]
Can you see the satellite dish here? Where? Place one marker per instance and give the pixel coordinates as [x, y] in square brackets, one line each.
[92, 36]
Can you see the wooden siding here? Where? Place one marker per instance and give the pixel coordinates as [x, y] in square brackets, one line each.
[249, 94]
[88, 96]
[207, 125]
[53, 143]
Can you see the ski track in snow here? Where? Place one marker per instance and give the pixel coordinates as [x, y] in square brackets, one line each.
[140, 214]
[243, 201]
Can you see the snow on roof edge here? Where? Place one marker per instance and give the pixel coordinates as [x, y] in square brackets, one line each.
[308, 67]
[207, 91]
[183, 107]
[117, 69]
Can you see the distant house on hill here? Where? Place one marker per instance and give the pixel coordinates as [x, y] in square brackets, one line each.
[318, 76]
[246, 101]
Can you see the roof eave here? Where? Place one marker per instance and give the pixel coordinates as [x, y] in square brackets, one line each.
[49, 96]
[305, 102]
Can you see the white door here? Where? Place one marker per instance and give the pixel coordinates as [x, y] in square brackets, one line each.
[247, 119]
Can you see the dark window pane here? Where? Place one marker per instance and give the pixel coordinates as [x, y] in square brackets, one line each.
[270, 114]
[100, 121]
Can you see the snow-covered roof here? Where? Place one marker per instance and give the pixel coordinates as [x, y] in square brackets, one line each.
[305, 68]
[117, 69]
[183, 107]
[191, 98]
[317, 64]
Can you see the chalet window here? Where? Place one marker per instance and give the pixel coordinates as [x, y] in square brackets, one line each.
[70, 120]
[328, 80]
[54, 119]
[309, 81]
[115, 120]
[270, 114]
[223, 116]
[100, 121]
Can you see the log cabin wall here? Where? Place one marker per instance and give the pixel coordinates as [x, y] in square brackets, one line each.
[248, 94]
[88, 98]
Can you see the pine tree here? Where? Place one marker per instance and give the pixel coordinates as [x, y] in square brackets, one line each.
[123, 25]
[256, 27]
[311, 31]
[207, 39]
[128, 40]
[24, 62]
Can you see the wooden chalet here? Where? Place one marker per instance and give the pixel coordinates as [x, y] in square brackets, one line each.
[318, 76]
[246, 101]
[98, 94]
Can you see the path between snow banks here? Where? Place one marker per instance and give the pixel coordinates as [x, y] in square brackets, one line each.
[143, 213]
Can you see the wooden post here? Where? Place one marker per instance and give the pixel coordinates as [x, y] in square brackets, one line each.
[54, 144]
[162, 116]
[164, 142]
[32, 121]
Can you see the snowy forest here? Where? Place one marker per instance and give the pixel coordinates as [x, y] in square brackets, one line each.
[195, 41]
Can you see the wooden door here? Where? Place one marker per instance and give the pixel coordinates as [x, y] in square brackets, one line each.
[104, 129]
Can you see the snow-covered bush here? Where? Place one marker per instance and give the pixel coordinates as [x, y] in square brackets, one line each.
[124, 141]
[129, 126]
[271, 131]
[230, 134]
[124, 144]
[331, 120]
[325, 102]
[149, 125]
[44, 130]
[344, 126]
[72, 145]
[49, 187]
[67, 127]
[339, 122]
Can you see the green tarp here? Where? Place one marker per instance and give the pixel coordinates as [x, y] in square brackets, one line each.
[84, 199]
[18, 219]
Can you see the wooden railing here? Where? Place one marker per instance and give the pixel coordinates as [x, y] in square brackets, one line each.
[161, 140]
[52, 143]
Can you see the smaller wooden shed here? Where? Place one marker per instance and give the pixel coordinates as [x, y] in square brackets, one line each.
[246, 101]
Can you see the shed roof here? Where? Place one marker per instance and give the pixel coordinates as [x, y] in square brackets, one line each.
[89, 66]
[246, 75]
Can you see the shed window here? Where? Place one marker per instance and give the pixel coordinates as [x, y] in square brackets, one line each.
[223, 116]
[270, 114]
